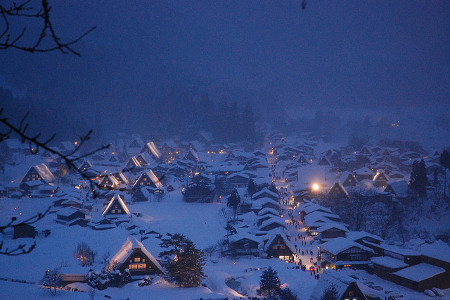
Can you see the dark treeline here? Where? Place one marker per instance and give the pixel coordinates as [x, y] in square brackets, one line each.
[187, 114]
[173, 112]
[44, 119]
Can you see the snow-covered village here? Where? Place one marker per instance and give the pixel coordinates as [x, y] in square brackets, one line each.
[167, 169]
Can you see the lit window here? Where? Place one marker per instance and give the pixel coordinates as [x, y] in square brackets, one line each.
[137, 259]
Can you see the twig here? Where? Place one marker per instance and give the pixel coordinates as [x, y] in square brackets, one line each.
[24, 10]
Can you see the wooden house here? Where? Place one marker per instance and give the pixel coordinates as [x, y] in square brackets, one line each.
[116, 208]
[148, 179]
[365, 151]
[302, 160]
[350, 180]
[422, 276]
[399, 189]
[133, 165]
[24, 231]
[279, 246]
[331, 231]
[142, 161]
[341, 253]
[242, 245]
[121, 179]
[39, 174]
[71, 216]
[136, 258]
[364, 174]
[265, 193]
[363, 238]
[141, 194]
[324, 161]
[154, 152]
[108, 182]
[271, 224]
[380, 180]
[345, 286]
[237, 180]
[262, 203]
[192, 156]
[338, 191]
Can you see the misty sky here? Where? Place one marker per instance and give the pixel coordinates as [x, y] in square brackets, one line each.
[351, 52]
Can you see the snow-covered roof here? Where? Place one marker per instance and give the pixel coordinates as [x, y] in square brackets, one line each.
[419, 272]
[283, 236]
[117, 198]
[268, 210]
[331, 278]
[273, 220]
[339, 244]
[154, 150]
[318, 215]
[311, 207]
[389, 262]
[438, 250]
[244, 235]
[328, 226]
[127, 249]
[356, 235]
[262, 201]
[45, 173]
[261, 192]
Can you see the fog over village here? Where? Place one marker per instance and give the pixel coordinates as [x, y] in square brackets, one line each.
[224, 150]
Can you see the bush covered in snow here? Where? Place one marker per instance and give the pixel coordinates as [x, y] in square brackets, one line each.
[103, 280]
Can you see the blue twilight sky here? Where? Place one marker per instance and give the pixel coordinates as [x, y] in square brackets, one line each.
[350, 53]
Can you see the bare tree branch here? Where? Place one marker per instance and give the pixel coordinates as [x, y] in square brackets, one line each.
[69, 159]
[25, 10]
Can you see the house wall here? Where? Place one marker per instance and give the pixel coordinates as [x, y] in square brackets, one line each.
[332, 233]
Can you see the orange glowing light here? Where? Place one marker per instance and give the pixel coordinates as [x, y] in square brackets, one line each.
[315, 187]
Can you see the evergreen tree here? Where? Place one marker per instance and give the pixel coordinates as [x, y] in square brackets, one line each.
[183, 261]
[419, 180]
[251, 188]
[330, 293]
[269, 285]
[233, 201]
[230, 230]
[287, 294]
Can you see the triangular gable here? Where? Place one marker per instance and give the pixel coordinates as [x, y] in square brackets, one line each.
[380, 177]
[365, 150]
[140, 158]
[302, 160]
[133, 163]
[153, 150]
[39, 173]
[279, 239]
[108, 181]
[148, 179]
[337, 190]
[192, 156]
[128, 251]
[324, 162]
[116, 207]
[350, 180]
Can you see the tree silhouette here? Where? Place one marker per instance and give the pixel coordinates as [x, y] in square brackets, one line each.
[419, 180]
[25, 12]
[269, 285]
[233, 201]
